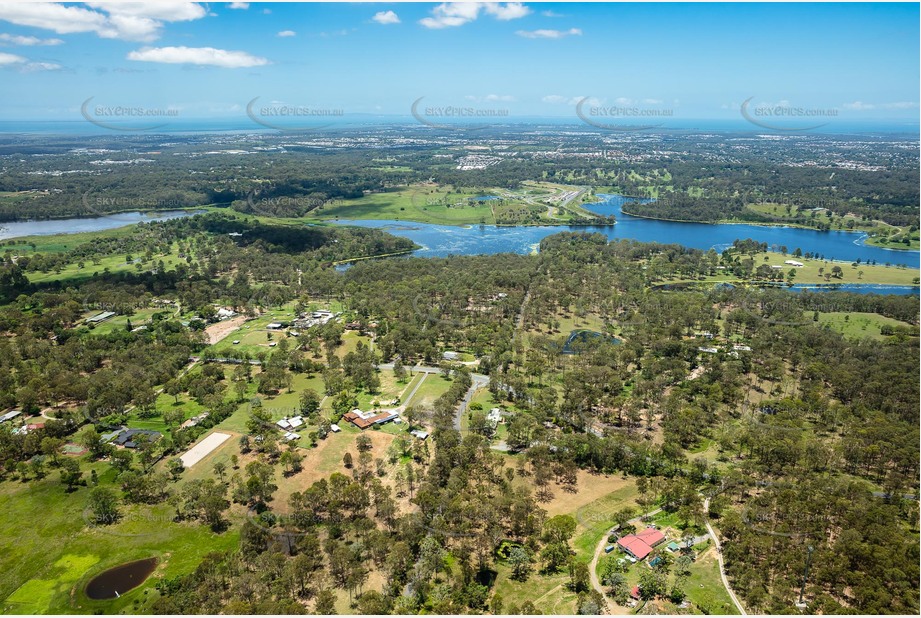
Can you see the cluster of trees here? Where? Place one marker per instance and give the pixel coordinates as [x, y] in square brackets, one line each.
[718, 192]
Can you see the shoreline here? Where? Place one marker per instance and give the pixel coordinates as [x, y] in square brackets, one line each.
[766, 224]
[470, 225]
[374, 257]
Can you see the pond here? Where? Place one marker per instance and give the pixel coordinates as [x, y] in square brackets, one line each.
[581, 336]
[119, 580]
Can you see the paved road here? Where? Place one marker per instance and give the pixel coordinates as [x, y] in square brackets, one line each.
[478, 381]
[412, 394]
[719, 557]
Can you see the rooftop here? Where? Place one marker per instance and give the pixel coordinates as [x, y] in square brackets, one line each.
[363, 420]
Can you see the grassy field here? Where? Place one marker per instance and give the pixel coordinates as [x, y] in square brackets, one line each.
[431, 389]
[45, 566]
[596, 497]
[856, 324]
[59, 243]
[549, 593]
[880, 233]
[422, 203]
[814, 270]
[77, 271]
[429, 203]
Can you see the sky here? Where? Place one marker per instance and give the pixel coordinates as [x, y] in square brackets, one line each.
[835, 61]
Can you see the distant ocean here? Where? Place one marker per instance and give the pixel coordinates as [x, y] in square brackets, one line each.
[244, 125]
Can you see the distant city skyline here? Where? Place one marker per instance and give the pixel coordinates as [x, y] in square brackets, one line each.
[659, 64]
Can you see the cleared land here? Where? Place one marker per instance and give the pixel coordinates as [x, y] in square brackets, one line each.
[220, 330]
[203, 448]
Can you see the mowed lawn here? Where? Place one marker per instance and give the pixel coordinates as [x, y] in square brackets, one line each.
[857, 324]
[862, 273]
[48, 552]
[430, 390]
[110, 263]
[423, 203]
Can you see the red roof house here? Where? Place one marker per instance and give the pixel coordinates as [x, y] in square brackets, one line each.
[639, 545]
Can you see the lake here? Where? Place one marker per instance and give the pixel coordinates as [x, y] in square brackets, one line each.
[48, 227]
[443, 240]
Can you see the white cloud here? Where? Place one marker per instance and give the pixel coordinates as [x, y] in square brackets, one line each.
[23, 64]
[490, 98]
[551, 14]
[860, 106]
[386, 17]
[510, 10]
[900, 105]
[59, 18]
[8, 59]
[163, 10]
[452, 14]
[238, 5]
[31, 67]
[287, 33]
[548, 34]
[13, 39]
[202, 56]
[131, 21]
[556, 99]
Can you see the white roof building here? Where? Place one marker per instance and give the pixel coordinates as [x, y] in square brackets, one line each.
[10, 415]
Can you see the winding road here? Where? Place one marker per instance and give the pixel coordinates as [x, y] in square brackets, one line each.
[593, 565]
[603, 542]
[719, 557]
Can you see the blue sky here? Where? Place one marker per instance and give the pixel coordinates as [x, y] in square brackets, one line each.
[528, 59]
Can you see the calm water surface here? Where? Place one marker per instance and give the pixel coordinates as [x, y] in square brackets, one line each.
[443, 240]
[48, 227]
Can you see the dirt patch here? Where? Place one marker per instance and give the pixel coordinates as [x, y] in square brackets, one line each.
[322, 461]
[217, 332]
[590, 487]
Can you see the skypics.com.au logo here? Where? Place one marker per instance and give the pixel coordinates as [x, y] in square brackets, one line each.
[455, 117]
[126, 117]
[286, 117]
[785, 117]
[110, 207]
[625, 115]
